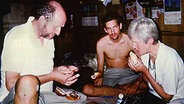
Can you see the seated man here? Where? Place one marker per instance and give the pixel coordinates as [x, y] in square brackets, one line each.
[27, 58]
[114, 49]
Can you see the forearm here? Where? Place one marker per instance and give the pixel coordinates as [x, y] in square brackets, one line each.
[137, 82]
[100, 60]
[46, 77]
[11, 78]
[158, 88]
[140, 84]
[101, 69]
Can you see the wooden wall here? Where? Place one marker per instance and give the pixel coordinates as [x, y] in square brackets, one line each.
[81, 40]
[173, 35]
[171, 28]
[175, 40]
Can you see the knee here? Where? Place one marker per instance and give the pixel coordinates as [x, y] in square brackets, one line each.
[27, 90]
[28, 84]
[88, 90]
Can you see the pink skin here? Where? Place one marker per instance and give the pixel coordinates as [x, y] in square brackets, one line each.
[49, 31]
[140, 47]
[53, 27]
[113, 33]
[113, 29]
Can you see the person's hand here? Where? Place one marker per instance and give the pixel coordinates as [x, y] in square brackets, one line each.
[96, 75]
[73, 68]
[138, 66]
[131, 89]
[65, 74]
[72, 80]
[98, 81]
[67, 69]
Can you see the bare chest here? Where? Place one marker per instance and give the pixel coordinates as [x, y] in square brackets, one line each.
[117, 51]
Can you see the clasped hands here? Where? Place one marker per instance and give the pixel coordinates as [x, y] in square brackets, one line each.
[66, 74]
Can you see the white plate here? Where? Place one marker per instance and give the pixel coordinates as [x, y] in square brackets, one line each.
[53, 98]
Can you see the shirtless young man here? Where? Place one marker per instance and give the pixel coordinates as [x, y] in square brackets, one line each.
[113, 49]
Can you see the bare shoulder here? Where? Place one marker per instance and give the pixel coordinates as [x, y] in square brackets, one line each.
[126, 36]
[127, 39]
[102, 41]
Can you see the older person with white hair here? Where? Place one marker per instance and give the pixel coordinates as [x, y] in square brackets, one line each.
[161, 66]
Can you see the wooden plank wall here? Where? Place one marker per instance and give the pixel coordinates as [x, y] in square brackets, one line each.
[172, 28]
[173, 35]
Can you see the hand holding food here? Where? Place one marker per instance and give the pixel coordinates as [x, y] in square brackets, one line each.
[136, 64]
[133, 57]
[96, 75]
[65, 75]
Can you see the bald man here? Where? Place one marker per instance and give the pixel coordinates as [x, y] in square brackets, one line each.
[27, 57]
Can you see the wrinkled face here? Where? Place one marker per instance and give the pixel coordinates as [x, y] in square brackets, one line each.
[53, 27]
[113, 29]
[139, 46]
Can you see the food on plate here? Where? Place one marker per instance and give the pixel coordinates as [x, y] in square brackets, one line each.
[133, 56]
[72, 95]
[96, 75]
[59, 91]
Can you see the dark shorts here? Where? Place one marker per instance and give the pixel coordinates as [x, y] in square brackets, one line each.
[119, 76]
[9, 99]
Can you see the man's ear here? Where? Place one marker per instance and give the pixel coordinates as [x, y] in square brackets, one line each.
[42, 19]
[150, 41]
[105, 29]
[121, 26]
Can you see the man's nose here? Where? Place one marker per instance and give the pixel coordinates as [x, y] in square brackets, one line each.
[57, 31]
[112, 30]
[134, 46]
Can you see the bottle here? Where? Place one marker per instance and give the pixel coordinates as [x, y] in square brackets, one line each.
[120, 99]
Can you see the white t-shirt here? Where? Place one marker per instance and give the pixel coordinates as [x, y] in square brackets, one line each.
[169, 71]
[24, 53]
